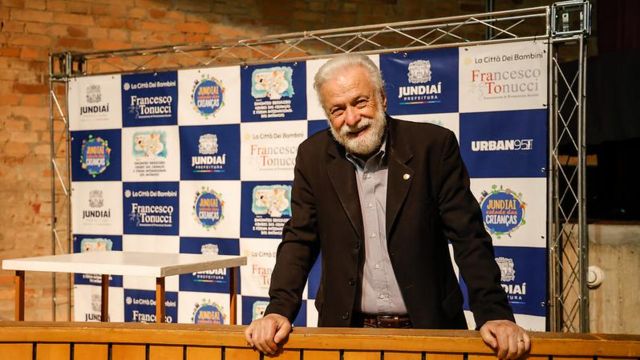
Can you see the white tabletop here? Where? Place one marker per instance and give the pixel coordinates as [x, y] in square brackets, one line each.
[125, 263]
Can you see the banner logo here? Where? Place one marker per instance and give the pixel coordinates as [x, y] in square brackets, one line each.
[151, 215]
[95, 244]
[419, 72]
[207, 161]
[207, 313]
[502, 145]
[95, 155]
[258, 309]
[207, 96]
[96, 202]
[273, 83]
[503, 211]
[214, 275]
[515, 291]
[93, 97]
[272, 200]
[150, 144]
[207, 208]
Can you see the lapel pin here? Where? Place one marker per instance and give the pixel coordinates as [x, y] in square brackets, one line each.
[406, 176]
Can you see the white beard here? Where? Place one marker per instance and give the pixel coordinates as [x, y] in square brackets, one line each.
[364, 144]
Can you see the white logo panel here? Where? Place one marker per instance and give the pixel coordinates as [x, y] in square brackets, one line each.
[509, 76]
[268, 150]
[209, 96]
[95, 103]
[97, 207]
[261, 258]
[514, 210]
[210, 208]
[151, 153]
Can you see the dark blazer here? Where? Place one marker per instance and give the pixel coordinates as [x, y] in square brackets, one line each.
[428, 202]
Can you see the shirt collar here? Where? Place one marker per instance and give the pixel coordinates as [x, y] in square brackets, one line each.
[379, 158]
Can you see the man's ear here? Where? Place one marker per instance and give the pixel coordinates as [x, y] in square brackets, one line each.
[384, 101]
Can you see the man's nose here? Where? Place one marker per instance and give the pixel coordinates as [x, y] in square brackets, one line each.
[351, 116]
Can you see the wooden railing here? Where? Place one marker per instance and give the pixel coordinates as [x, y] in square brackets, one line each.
[110, 341]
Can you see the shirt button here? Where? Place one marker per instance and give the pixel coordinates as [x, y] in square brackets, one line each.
[381, 296]
[370, 205]
[351, 282]
[377, 266]
[373, 235]
[345, 316]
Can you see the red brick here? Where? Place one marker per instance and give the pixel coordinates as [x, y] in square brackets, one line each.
[28, 53]
[58, 30]
[24, 137]
[120, 35]
[77, 7]
[13, 26]
[14, 125]
[137, 13]
[74, 43]
[57, 5]
[31, 15]
[13, 149]
[13, 3]
[74, 19]
[30, 40]
[31, 88]
[157, 14]
[34, 100]
[110, 22]
[10, 99]
[159, 27]
[111, 45]
[76, 31]
[202, 28]
[36, 28]
[176, 16]
[35, 4]
[10, 51]
[97, 33]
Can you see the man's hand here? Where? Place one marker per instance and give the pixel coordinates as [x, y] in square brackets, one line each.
[266, 334]
[507, 339]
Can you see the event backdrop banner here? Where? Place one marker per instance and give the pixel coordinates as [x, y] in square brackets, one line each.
[201, 161]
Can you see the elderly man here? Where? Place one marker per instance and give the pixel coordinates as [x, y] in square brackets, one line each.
[380, 198]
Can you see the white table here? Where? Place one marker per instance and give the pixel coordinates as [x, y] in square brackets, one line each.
[158, 265]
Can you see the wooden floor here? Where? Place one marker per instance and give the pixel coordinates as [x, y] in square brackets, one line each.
[109, 341]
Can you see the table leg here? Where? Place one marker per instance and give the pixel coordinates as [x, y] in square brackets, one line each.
[104, 300]
[160, 300]
[19, 288]
[233, 289]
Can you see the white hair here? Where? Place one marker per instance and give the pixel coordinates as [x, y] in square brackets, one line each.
[341, 62]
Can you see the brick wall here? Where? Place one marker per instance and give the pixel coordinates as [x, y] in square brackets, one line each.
[31, 29]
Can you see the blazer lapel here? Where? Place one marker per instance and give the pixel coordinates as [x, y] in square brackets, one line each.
[399, 180]
[343, 178]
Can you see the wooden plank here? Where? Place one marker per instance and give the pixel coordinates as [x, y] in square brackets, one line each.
[321, 355]
[164, 352]
[241, 354]
[90, 352]
[128, 352]
[396, 355]
[53, 352]
[289, 355]
[17, 351]
[439, 356]
[571, 358]
[104, 300]
[160, 298]
[19, 295]
[481, 357]
[362, 355]
[233, 300]
[203, 353]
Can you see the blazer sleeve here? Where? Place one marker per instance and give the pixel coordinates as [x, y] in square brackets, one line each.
[473, 251]
[299, 247]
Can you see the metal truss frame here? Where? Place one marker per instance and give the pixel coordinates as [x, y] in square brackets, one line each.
[563, 25]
